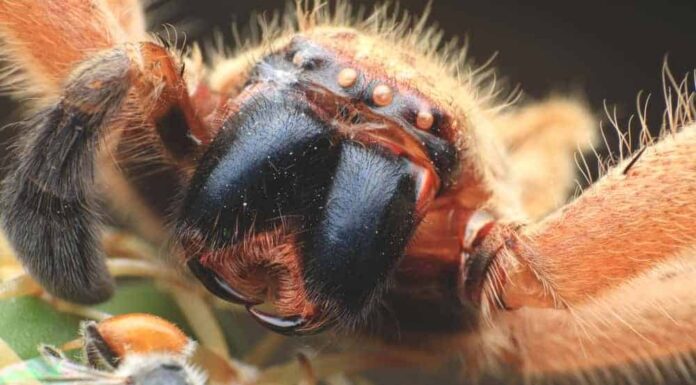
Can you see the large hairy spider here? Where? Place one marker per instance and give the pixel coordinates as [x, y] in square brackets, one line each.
[355, 176]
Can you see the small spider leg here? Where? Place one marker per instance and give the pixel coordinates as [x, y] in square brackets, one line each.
[49, 203]
[96, 349]
[44, 48]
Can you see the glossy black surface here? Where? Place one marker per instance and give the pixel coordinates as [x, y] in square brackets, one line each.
[273, 160]
[217, 285]
[368, 219]
[277, 164]
[283, 325]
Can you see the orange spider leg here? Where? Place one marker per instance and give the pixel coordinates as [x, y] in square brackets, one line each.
[643, 329]
[602, 285]
[637, 216]
[46, 39]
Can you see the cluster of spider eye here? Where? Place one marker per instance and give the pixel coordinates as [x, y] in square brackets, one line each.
[382, 95]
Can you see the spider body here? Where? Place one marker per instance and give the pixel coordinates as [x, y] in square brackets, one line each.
[357, 176]
[129, 349]
[118, 336]
[346, 174]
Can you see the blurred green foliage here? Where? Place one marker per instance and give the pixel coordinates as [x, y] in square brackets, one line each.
[27, 322]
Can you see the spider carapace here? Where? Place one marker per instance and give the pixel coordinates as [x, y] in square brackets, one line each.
[357, 176]
[314, 186]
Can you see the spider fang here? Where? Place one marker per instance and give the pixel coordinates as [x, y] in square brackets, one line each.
[288, 325]
[216, 285]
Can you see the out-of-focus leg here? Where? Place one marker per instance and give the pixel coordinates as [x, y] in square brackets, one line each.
[130, 16]
[45, 40]
[542, 140]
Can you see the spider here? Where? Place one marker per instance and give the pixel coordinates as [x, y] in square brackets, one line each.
[126, 349]
[357, 176]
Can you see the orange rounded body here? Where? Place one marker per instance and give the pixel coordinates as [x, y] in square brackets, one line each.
[142, 333]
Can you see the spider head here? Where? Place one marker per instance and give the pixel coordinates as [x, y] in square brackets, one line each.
[312, 190]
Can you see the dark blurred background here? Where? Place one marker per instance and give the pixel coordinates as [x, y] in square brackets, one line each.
[606, 51]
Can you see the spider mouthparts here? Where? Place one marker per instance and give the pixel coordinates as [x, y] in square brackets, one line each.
[216, 285]
[290, 325]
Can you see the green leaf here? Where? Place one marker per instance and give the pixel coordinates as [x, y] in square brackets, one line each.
[27, 322]
[141, 296]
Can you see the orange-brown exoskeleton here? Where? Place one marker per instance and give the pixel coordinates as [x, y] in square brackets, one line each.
[130, 349]
[109, 341]
[349, 176]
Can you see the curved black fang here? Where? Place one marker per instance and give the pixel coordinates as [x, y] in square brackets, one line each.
[216, 285]
[284, 325]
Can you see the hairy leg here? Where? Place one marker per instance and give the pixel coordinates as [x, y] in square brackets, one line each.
[49, 208]
[645, 330]
[605, 284]
[637, 216]
[45, 40]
